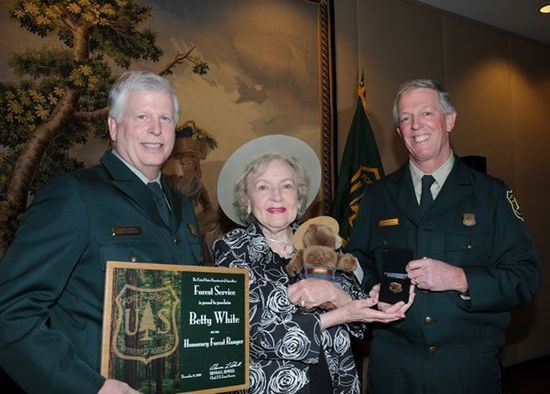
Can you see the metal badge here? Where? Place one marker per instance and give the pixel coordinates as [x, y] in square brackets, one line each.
[396, 287]
[469, 219]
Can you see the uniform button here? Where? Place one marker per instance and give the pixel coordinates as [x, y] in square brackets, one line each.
[432, 349]
[428, 320]
[177, 241]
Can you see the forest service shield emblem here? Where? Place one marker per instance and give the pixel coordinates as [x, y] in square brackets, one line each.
[146, 326]
[514, 204]
[469, 219]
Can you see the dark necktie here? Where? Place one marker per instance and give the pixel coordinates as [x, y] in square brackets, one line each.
[160, 200]
[426, 198]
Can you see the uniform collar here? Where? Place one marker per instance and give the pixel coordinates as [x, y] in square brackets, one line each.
[129, 183]
[137, 172]
[440, 175]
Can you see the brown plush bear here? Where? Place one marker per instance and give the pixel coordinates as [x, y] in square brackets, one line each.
[316, 242]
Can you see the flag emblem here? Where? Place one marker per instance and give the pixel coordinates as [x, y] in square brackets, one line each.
[361, 166]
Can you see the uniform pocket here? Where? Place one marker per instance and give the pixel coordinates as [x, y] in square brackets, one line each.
[466, 248]
[190, 233]
[389, 238]
[133, 251]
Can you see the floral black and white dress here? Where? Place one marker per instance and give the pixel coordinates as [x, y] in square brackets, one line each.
[284, 341]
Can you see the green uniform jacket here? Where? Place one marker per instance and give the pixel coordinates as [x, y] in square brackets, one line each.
[474, 223]
[52, 276]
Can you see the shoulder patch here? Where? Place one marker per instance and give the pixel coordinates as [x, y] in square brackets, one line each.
[514, 204]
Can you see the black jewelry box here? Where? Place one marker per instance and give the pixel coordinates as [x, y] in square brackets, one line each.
[394, 286]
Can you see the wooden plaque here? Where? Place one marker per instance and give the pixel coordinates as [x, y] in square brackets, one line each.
[176, 328]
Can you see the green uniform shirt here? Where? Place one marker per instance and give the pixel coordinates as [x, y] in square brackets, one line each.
[474, 223]
[52, 276]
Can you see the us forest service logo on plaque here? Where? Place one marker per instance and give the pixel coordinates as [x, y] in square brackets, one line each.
[145, 324]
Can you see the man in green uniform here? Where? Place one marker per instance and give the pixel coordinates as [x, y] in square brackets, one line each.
[473, 258]
[52, 276]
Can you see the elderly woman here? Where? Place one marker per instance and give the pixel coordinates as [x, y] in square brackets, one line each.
[292, 350]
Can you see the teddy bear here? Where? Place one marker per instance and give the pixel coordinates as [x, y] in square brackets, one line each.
[316, 242]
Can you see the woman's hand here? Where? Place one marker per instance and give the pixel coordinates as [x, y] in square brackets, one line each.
[362, 311]
[310, 293]
[399, 307]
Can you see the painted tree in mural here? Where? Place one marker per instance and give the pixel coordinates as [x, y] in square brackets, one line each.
[61, 97]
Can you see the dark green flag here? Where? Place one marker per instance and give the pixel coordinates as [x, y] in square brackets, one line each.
[361, 165]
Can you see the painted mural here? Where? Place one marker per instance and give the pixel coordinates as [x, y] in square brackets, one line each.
[241, 68]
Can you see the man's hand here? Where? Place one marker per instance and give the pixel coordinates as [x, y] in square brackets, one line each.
[112, 386]
[435, 275]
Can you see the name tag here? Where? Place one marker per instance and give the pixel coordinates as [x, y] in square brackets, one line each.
[388, 222]
[126, 231]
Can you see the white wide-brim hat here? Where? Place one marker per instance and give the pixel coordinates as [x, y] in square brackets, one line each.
[243, 156]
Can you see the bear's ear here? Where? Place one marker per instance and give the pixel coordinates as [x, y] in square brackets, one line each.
[338, 241]
[346, 262]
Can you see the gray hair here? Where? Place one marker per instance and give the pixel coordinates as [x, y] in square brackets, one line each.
[444, 99]
[257, 167]
[138, 80]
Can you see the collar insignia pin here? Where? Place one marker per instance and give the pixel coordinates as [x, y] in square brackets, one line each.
[193, 229]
